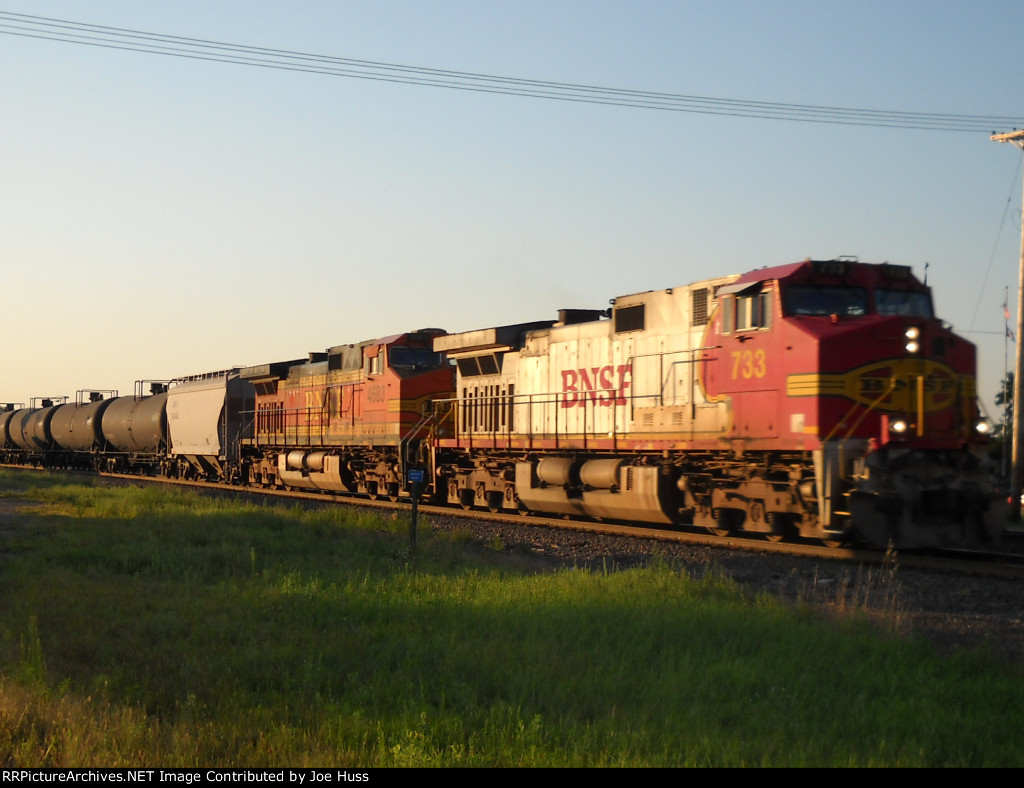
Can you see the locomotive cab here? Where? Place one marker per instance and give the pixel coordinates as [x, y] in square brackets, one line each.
[880, 391]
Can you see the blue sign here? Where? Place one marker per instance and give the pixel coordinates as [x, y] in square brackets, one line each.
[416, 475]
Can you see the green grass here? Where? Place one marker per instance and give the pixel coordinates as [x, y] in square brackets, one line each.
[146, 626]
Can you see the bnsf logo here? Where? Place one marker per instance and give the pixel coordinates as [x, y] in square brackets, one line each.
[890, 386]
[605, 386]
[931, 384]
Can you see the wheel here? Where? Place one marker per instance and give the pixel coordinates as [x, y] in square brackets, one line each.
[495, 499]
[393, 492]
[726, 521]
[782, 527]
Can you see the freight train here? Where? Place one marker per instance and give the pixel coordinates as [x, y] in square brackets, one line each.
[821, 400]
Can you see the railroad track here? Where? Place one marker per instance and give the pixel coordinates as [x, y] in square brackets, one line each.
[1005, 561]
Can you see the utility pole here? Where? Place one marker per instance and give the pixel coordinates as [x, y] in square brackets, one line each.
[1017, 470]
[1005, 457]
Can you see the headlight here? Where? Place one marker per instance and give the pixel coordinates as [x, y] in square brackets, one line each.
[983, 427]
[899, 426]
[913, 334]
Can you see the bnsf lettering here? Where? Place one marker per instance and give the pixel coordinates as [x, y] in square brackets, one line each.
[312, 400]
[931, 385]
[605, 386]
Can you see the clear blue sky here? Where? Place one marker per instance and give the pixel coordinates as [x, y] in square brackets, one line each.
[161, 216]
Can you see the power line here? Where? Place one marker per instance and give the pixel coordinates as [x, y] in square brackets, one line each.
[995, 245]
[65, 31]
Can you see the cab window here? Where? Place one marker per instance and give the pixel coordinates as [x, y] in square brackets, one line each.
[907, 303]
[746, 311]
[414, 357]
[375, 364]
[823, 301]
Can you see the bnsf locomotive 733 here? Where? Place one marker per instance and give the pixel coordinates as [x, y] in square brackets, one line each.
[820, 399]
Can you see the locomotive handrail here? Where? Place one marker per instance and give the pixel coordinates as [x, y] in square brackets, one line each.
[425, 419]
[466, 432]
[289, 429]
[468, 408]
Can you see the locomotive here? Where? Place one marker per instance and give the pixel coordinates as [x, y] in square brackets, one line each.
[352, 419]
[820, 399]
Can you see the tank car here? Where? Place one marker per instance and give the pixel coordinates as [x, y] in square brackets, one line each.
[351, 419]
[76, 432]
[26, 431]
[7, 411]
[820, 398]
[135, 431]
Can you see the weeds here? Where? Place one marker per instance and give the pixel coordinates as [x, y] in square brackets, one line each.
[32, 668]
[873, 593]
[176, 630]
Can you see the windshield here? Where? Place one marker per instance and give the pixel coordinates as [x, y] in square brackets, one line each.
[810, 300]
[414, 357]
[906, 303]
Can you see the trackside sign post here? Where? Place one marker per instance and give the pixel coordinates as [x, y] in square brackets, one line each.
[415, 478]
